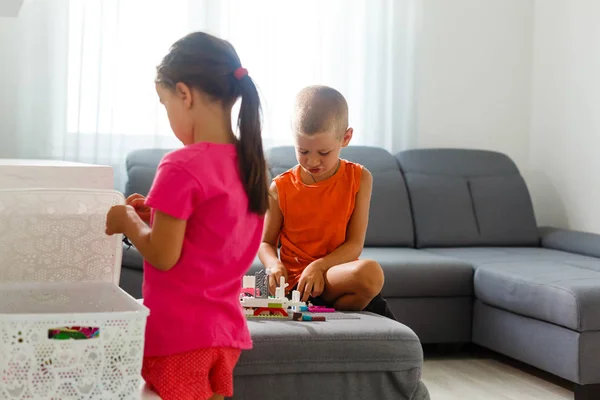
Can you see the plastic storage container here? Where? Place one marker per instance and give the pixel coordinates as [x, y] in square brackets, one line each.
[67, 331]
[54, 174]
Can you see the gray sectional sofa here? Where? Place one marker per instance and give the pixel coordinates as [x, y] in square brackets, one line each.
[464, 259]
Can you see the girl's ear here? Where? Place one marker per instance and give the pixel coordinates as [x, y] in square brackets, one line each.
[184, 93]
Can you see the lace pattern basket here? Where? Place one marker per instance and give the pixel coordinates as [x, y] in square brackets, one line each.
[58, 235]
[67, 331]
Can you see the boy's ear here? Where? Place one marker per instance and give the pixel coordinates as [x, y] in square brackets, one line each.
[184, 92]
[347, 137]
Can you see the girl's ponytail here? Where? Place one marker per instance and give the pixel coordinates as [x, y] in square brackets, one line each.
[250, 150]
[212, 65]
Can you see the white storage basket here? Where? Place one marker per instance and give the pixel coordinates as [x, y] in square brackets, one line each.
[58, 269]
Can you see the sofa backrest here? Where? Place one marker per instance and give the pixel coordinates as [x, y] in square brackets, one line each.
[390, 220]
[467, 198]
[141, 168]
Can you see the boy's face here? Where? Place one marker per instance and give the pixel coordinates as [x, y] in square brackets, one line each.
[318, 154]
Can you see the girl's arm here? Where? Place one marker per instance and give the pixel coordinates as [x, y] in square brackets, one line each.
[160, 244]
[267, 252]
[357, 228]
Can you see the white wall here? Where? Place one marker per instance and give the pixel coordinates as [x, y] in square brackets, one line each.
[521, 77]
[474, 75]
[565, 124]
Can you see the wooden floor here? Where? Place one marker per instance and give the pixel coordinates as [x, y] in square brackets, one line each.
[474, 375]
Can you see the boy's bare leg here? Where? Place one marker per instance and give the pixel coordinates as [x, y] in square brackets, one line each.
[217, 397]
[351, 286]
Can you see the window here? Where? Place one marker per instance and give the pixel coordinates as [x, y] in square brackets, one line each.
[357, 46]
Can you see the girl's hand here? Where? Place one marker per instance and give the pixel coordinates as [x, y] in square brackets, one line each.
[137, 201]
[312, 282]
[275, 274]
[118, 219]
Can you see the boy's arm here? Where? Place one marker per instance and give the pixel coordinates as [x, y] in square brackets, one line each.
[267, 252]
[160, 245]
[357, 228]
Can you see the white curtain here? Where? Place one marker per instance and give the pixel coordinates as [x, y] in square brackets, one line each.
[80, 72]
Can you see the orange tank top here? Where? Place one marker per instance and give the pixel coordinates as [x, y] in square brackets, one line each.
[315, 216]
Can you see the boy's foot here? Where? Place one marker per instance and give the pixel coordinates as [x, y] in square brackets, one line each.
[379, 306]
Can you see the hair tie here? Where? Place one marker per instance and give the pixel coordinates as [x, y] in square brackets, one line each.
[240, 73]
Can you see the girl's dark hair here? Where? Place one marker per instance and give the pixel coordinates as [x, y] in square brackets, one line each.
[208, 63]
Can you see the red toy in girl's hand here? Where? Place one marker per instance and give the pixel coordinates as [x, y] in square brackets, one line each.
[137, 201]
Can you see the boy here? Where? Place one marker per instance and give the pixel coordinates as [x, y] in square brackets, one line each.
[319, 210]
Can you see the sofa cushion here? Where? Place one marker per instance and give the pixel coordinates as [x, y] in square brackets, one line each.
[370, 343]
[141, 168]
[549, 285]
[390, 220]
[416, 273]
[467, 198]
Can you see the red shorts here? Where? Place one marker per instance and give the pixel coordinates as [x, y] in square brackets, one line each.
[196, 375]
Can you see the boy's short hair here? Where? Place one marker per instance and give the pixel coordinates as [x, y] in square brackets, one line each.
[320, 109]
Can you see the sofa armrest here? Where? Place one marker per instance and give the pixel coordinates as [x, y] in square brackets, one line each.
[584, 243]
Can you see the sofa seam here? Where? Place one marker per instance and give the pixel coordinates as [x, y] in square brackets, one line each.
[415, 244]
[473, 208]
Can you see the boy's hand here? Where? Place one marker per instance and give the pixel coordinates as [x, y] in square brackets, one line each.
[137, 201]
[312, 282]
[275, 274]
[118, 218]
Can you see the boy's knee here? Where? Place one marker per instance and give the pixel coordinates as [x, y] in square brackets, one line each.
[369, 276]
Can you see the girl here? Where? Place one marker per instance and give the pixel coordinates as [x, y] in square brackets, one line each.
[207, 204]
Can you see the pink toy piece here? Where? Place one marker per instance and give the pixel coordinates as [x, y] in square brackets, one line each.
[320, 309]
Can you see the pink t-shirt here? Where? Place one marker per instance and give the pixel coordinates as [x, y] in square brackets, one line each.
[196, 303]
